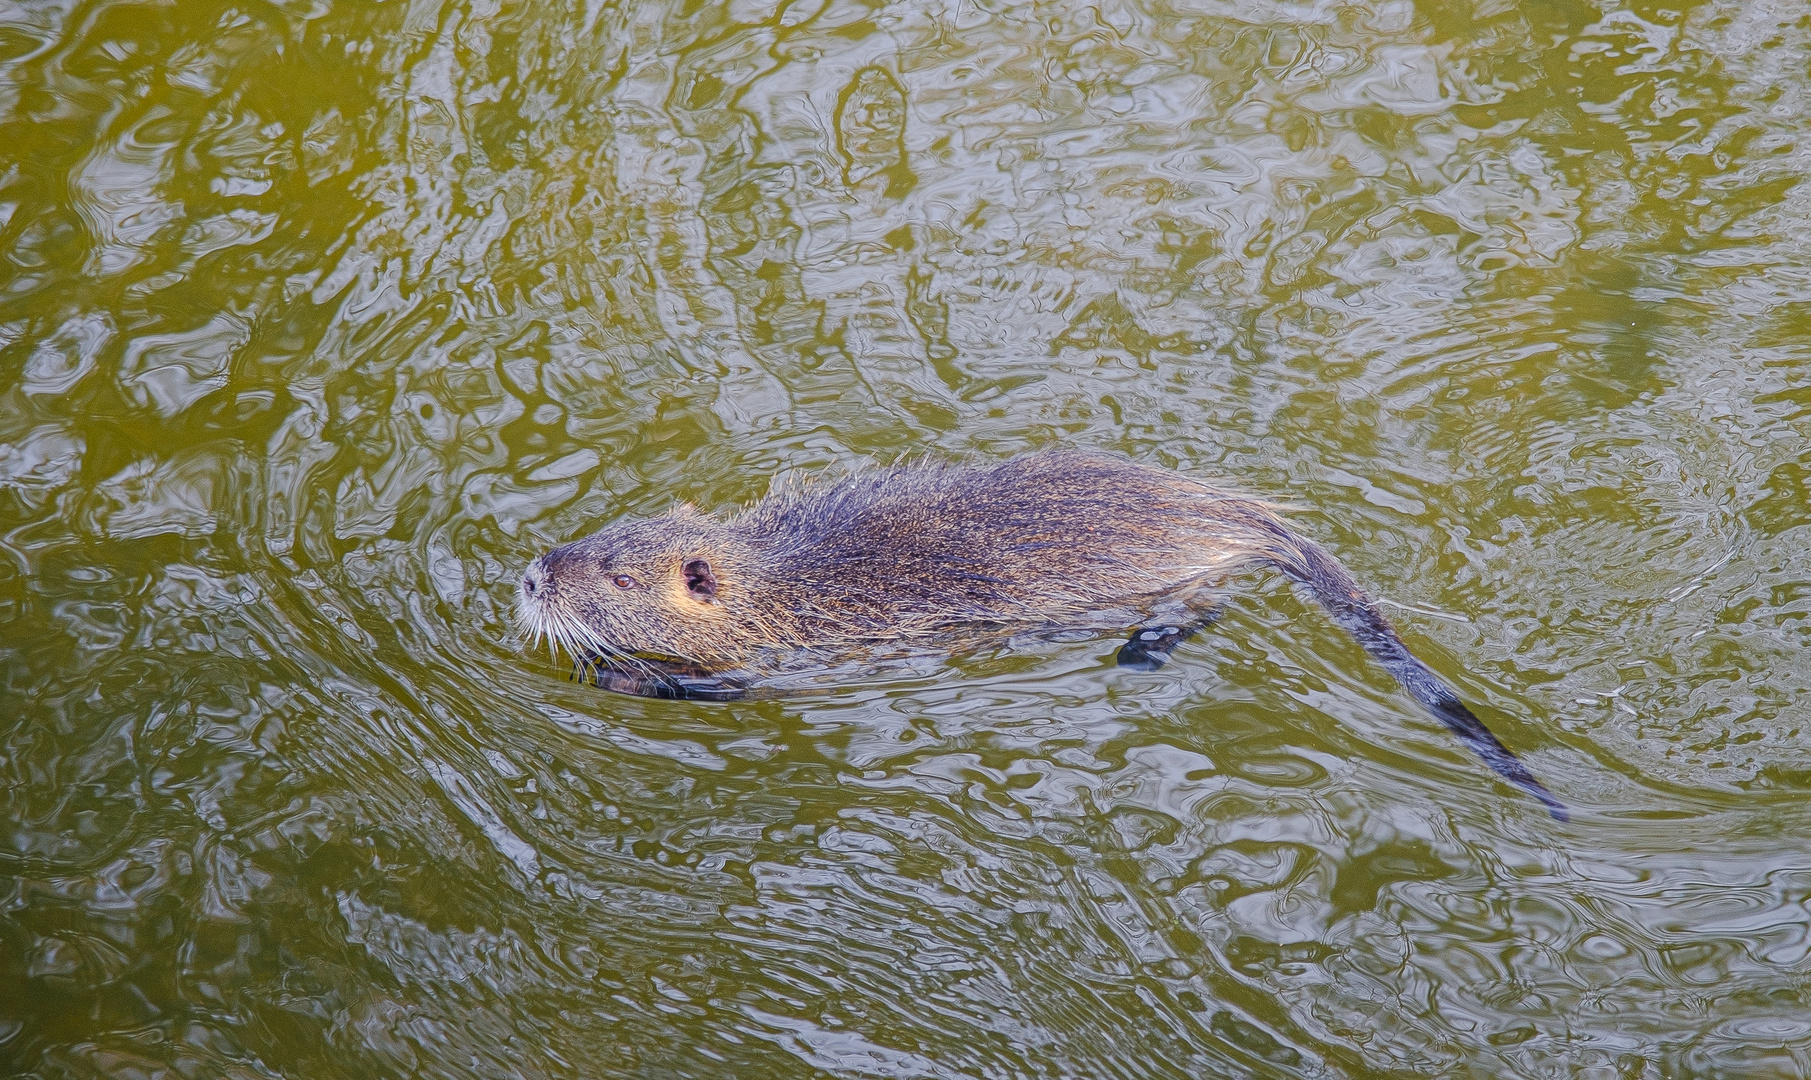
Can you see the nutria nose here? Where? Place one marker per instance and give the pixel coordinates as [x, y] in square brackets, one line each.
[533, 578]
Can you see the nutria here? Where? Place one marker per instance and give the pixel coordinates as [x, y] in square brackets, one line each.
[663, 606]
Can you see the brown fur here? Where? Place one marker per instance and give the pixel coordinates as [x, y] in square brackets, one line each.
[899, 553]
[910, 553]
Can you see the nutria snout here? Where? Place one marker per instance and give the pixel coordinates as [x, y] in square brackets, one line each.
[910, 553]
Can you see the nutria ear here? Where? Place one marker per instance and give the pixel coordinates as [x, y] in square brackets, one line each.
[699, 580]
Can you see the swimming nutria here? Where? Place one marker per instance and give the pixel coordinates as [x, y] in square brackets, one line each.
[926, 549]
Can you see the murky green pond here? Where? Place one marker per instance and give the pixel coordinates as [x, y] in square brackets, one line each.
[318, 320]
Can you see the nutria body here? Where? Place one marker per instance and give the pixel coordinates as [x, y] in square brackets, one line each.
[914, 552]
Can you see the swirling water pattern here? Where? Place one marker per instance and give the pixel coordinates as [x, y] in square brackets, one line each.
[319, 319]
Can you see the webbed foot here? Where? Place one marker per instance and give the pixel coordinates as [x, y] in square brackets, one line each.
[1149, 647]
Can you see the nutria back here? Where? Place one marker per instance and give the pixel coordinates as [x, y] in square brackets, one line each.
[891, 555]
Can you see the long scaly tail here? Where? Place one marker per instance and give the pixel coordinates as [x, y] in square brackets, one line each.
[1357, 613]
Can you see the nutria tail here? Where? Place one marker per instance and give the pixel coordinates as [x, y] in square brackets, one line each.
[1355, 612]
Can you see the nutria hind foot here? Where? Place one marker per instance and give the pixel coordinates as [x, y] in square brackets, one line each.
[1149, 647]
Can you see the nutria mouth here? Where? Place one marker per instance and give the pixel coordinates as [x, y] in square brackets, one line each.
[679, 605]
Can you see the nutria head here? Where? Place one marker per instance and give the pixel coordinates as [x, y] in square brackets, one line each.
[653, 588]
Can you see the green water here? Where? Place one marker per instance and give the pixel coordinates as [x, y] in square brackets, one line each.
[318, 320]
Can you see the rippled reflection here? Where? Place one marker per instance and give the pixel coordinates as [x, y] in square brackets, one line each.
[318, 320]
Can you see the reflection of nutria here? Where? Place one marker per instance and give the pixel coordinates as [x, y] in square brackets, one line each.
[895, 554]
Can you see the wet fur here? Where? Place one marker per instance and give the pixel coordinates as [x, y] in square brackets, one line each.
[916, 551]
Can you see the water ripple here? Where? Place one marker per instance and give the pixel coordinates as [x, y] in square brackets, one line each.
[317, 323]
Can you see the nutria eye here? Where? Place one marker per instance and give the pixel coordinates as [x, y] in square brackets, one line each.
[623, 581]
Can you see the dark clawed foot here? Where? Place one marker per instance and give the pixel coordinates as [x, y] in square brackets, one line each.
[664, 684]
[1150, 646]
[690, 689]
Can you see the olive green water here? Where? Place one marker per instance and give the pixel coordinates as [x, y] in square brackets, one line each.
[318, 320]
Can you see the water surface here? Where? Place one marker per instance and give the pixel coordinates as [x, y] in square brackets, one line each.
[318, 320]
